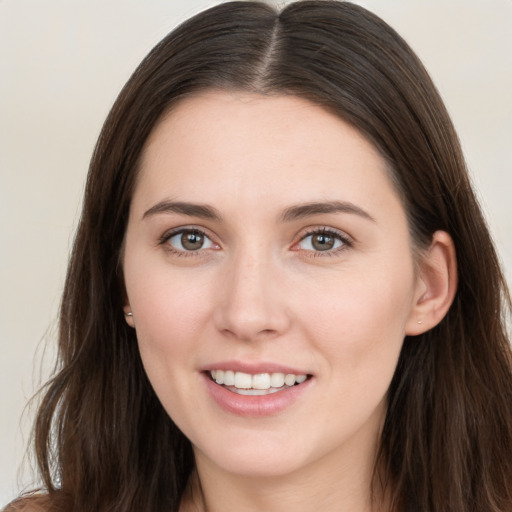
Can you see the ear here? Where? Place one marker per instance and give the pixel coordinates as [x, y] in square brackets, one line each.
[128, 315]
[436, 285]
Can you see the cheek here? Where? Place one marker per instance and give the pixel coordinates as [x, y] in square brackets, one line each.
[359, 323]
[170, 315]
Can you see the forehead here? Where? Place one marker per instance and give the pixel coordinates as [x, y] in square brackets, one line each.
[223, 145]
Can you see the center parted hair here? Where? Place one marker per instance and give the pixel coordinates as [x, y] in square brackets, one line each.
[103, 440]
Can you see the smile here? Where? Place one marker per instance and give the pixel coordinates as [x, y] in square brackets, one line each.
[258, 384]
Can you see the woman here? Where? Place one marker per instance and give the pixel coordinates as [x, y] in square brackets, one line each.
[282, 291]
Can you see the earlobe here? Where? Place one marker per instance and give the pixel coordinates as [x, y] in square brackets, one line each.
[436, 285]
[128, 315]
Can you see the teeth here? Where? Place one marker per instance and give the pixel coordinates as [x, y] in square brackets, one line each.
[258, 392]
[259, 381]
[229, 378]
[243, 380]
[277, 380]
[289, 380]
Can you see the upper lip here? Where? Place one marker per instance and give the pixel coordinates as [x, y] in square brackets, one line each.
[253, 368]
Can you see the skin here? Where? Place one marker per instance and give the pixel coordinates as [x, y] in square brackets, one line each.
[259, 290]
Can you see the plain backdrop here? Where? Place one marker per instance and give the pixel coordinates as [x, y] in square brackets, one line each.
[62, 63]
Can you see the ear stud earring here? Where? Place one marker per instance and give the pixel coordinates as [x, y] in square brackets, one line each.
[128, 314]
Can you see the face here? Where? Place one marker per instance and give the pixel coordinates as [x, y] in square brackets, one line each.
[267, 249]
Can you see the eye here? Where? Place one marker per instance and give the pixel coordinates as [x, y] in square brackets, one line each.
[323, 240]
[189, 240]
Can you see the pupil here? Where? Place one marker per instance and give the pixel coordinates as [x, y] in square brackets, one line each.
[323, 242]
[192, 241]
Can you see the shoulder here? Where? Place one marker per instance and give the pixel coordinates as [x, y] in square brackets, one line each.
[36, 503]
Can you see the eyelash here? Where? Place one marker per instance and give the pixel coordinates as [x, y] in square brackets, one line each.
[164, 239]
[345, 240]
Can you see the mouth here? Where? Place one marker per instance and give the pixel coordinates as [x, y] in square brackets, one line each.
[258, 384]
[256, 390]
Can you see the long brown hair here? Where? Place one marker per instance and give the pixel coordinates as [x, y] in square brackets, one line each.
[103, 440]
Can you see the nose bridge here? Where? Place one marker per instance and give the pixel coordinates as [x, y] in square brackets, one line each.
[251, 302]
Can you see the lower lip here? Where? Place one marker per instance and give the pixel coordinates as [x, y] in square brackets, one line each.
[255, 405]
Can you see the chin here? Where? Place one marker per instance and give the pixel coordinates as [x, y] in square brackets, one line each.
[257, 466]
[257, 455]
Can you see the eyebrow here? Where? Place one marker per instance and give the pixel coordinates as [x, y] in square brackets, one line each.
[291, 213]
[308, 209]
[194, 210]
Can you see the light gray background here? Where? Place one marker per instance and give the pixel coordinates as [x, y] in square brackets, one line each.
[62, 63]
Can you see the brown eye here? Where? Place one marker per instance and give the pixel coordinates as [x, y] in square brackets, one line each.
[190, 240]
[322, 242]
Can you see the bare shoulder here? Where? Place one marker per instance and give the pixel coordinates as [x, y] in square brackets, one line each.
[35, 503]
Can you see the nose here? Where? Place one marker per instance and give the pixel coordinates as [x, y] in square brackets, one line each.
[252, 300]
